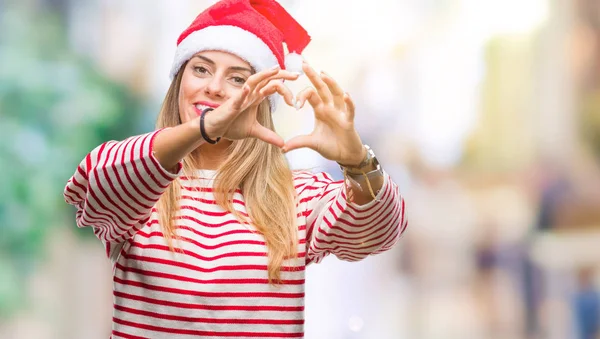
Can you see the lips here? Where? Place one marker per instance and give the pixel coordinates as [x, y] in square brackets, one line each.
[202, 105]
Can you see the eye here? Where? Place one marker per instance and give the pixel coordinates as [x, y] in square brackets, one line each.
[200, 69]
[239, 80]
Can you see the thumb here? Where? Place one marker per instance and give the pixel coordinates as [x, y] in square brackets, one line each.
[261, 132]
[299, 142]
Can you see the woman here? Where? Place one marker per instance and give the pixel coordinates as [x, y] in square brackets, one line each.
[207, 227]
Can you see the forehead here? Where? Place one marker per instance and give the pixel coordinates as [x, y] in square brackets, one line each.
[224, 58]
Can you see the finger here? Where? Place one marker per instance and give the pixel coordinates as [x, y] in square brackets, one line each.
[320, 85]
[336, 91]
[280, 88]
[261, 132]
[299, 142]
[287, 75]
[281, 75]
[256, 78]
[309, 94]
[349, 106]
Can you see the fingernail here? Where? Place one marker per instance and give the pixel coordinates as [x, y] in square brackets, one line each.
[323, 73]
[297, 105]
[274, 67]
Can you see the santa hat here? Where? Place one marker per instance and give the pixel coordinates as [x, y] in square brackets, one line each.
[254, 30]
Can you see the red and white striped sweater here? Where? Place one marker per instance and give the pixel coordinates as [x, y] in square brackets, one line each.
[218, 287]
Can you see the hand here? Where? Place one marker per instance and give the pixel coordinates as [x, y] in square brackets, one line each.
[236, 118]
[334, 135]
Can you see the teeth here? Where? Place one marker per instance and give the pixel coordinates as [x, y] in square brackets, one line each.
[201, 107]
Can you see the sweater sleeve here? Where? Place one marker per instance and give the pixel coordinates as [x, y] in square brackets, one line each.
[116, 186]
[348, 230]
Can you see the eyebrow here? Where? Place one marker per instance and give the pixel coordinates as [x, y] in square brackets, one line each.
[235, 68]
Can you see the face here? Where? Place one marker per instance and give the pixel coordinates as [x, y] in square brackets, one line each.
[208, 80]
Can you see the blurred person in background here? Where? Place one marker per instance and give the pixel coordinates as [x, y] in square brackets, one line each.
[208, 229]
[586, 305]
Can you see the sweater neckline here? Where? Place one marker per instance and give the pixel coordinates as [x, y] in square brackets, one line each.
[205, 173]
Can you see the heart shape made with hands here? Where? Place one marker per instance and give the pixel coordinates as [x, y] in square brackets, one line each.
[334, 135]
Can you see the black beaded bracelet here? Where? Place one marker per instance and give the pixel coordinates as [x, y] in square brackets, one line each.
[203, 131]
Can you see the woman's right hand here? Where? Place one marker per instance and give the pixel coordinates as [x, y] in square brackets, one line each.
[236, 118]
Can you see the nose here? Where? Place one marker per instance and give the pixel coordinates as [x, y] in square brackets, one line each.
[215, 87]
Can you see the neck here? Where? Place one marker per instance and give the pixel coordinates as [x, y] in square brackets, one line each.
[211, 157]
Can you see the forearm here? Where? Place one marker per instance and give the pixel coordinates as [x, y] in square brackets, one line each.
[116, 186]
[173, 144]
[349, 230]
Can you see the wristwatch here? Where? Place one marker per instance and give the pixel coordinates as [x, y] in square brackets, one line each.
[370, 159]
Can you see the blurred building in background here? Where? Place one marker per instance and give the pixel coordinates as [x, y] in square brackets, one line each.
[487, 114]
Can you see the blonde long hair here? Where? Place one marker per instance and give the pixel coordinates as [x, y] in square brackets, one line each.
[259, 169]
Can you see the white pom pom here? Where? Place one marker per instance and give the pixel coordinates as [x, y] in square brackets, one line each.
[293, 63]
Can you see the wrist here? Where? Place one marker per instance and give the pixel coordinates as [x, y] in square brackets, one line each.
[363, 159]
[358, 163]
[192, 128]
[209, 132]
[368, 164]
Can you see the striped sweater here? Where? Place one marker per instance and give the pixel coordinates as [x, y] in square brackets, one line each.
[217, 287]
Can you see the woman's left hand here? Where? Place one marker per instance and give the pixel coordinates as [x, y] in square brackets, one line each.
[334, 135]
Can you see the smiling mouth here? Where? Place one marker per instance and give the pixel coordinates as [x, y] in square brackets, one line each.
[202, 106]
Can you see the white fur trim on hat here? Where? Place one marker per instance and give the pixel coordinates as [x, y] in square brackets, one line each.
[293, 63]
[232, 39]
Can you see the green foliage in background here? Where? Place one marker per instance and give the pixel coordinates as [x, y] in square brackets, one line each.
[54, 108]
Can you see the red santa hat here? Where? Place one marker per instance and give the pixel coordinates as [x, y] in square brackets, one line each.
[254, 30]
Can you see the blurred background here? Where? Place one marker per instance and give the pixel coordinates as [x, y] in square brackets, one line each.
[485, 112]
